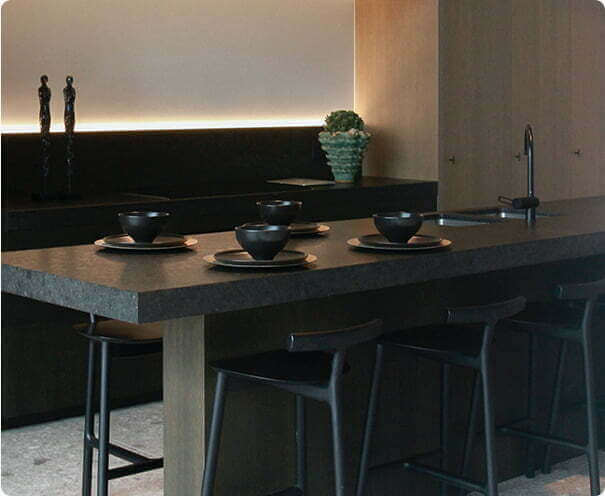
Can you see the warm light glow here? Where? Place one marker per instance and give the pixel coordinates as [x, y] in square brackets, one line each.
[168, 125]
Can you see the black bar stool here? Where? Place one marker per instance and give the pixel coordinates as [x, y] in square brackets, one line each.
[115, 339]
[312, 367]
[464, 340]
[569, 319]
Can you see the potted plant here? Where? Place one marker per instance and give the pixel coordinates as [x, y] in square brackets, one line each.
[344, 142]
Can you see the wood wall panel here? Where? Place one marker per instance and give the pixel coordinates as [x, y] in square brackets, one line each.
[556, 170]
[501, 65]
[475, 99]
[541, 94]
[455, 93]
[396, 87]
[601, 160]
[586, 117]
[524, 86]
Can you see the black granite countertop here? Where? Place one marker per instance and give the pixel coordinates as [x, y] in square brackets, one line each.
[208, 207]
[13, 203]
[151, 287]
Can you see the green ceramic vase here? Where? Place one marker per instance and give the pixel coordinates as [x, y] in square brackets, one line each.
[344, 150]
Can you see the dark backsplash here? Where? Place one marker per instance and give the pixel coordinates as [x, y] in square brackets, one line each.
[140, 160]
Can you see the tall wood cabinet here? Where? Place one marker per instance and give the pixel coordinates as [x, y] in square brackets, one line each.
[481, 70]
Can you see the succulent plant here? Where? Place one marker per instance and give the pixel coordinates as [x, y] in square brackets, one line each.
[343, 120]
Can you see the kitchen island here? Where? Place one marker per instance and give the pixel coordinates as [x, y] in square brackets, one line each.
[195, 208]
[210, 312]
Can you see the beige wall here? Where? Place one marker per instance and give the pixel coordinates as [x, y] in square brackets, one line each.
[185, 60]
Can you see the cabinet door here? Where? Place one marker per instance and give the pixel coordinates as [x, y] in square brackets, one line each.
[587, 117]
[475, 96]
[541, 95]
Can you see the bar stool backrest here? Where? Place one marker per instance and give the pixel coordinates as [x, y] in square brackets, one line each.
[486, 314]
[335, 340]
[581, 291]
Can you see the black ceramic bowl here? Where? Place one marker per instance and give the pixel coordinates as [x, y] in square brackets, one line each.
[262, 241]
[398, 227]
[143, 227]
[279, 212]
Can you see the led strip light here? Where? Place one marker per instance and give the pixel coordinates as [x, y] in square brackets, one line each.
[168, 125]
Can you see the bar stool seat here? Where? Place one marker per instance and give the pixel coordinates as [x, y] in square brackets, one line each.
[125, 339]
[464, 339]
[124, 332]
[312, 367]
[556, 319]
[280, 366]
[451, 343]
[569, 319]
[114, 339]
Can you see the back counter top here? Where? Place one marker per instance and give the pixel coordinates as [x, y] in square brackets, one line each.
[200, 208]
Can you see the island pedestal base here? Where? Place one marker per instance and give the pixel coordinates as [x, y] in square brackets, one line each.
[184, 405]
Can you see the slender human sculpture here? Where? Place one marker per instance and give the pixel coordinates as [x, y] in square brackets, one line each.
[44, 96]
[69, 94]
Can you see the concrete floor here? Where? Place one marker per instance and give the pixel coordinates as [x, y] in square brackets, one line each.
[45, 460]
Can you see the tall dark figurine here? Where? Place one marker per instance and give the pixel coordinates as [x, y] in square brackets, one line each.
[69, 94]
[44, 96]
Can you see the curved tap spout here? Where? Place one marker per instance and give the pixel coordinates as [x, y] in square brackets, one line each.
[529, 151]
[529, 139]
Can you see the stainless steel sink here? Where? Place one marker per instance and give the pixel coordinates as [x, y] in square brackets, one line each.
[458, 220]
[504, 213]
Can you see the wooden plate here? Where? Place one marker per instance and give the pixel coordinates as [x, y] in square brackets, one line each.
[162, 242]
[242, 259]
[308, 228]
[379, 241]
[356, 243]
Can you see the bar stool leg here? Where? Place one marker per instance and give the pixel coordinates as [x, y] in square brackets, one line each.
[89, 422]
[591, 411]
[336, 412]
[444, 421]
[471, 428]
[371, 417]
[530, 469]
[555, 406]
[301, 450]
[103, 465]
[490, 447]
[215, 434]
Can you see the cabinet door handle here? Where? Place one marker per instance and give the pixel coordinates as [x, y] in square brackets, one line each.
[452, 159]
[577, 152]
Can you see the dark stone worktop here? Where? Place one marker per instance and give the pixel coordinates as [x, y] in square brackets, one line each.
[151, 287]
[14, 203]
